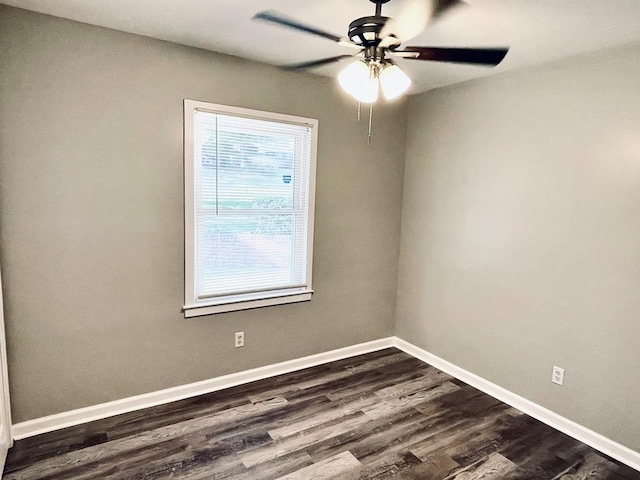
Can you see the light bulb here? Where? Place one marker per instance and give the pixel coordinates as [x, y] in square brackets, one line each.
[359, 82]
[394, 82]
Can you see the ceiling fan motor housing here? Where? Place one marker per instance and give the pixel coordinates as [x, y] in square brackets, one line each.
[365, 31]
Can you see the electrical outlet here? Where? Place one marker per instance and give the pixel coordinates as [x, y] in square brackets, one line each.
[239, 339]
[558, 375]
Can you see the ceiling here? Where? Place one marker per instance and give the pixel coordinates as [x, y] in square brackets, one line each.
[536, 30]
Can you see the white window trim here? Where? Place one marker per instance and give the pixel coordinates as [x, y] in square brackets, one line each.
[195, 307]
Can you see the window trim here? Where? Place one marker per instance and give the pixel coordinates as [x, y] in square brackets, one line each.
[192, 305]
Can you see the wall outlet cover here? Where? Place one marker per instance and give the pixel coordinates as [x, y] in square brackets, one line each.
[558, 375]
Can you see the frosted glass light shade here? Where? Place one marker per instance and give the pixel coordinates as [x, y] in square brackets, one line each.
[394, 82]
[357, 81]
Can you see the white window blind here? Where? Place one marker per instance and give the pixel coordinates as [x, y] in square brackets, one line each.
[249, 184]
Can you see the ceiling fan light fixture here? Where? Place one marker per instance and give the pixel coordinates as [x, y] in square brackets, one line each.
[358, 80]
[394, 82]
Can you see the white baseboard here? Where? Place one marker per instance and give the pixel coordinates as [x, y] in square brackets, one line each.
[138, 402]
[125, 405]
[571, 428]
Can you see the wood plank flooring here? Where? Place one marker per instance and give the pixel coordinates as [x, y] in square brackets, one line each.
[375, 416]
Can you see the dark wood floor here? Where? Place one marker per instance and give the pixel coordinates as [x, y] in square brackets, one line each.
[380, 415]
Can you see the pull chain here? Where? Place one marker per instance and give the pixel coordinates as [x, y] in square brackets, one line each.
[370, 123]
[370, 133]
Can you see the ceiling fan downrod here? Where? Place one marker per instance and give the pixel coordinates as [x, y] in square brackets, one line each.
[379, 4]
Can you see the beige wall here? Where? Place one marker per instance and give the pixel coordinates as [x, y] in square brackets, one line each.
[91, 219]
[520, 241]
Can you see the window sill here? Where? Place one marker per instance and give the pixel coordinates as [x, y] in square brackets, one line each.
[197, 310]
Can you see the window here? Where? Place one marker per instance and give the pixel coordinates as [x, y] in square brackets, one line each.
[249, 201]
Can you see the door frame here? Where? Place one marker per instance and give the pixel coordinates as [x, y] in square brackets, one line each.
[6, 438]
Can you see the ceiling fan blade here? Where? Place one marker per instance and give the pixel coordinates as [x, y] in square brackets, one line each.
[440, 7]
[316, 63]
[389, 40]
[276, 18]
[413, 19]
[476, 56]
[402, 54]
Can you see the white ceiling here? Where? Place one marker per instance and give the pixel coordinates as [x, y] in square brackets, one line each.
[536, 30]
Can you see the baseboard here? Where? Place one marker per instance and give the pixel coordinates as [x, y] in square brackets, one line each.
[138, 402]
[104, 410]
[571, 428]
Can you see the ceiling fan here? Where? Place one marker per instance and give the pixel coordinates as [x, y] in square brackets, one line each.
[378, 40]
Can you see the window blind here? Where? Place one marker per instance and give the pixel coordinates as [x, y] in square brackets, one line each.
[251, 206]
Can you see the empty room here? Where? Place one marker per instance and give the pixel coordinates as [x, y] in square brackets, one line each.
[303, 240]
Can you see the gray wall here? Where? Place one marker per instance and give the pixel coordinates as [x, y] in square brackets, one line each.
[520, 241]
[91, 218]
